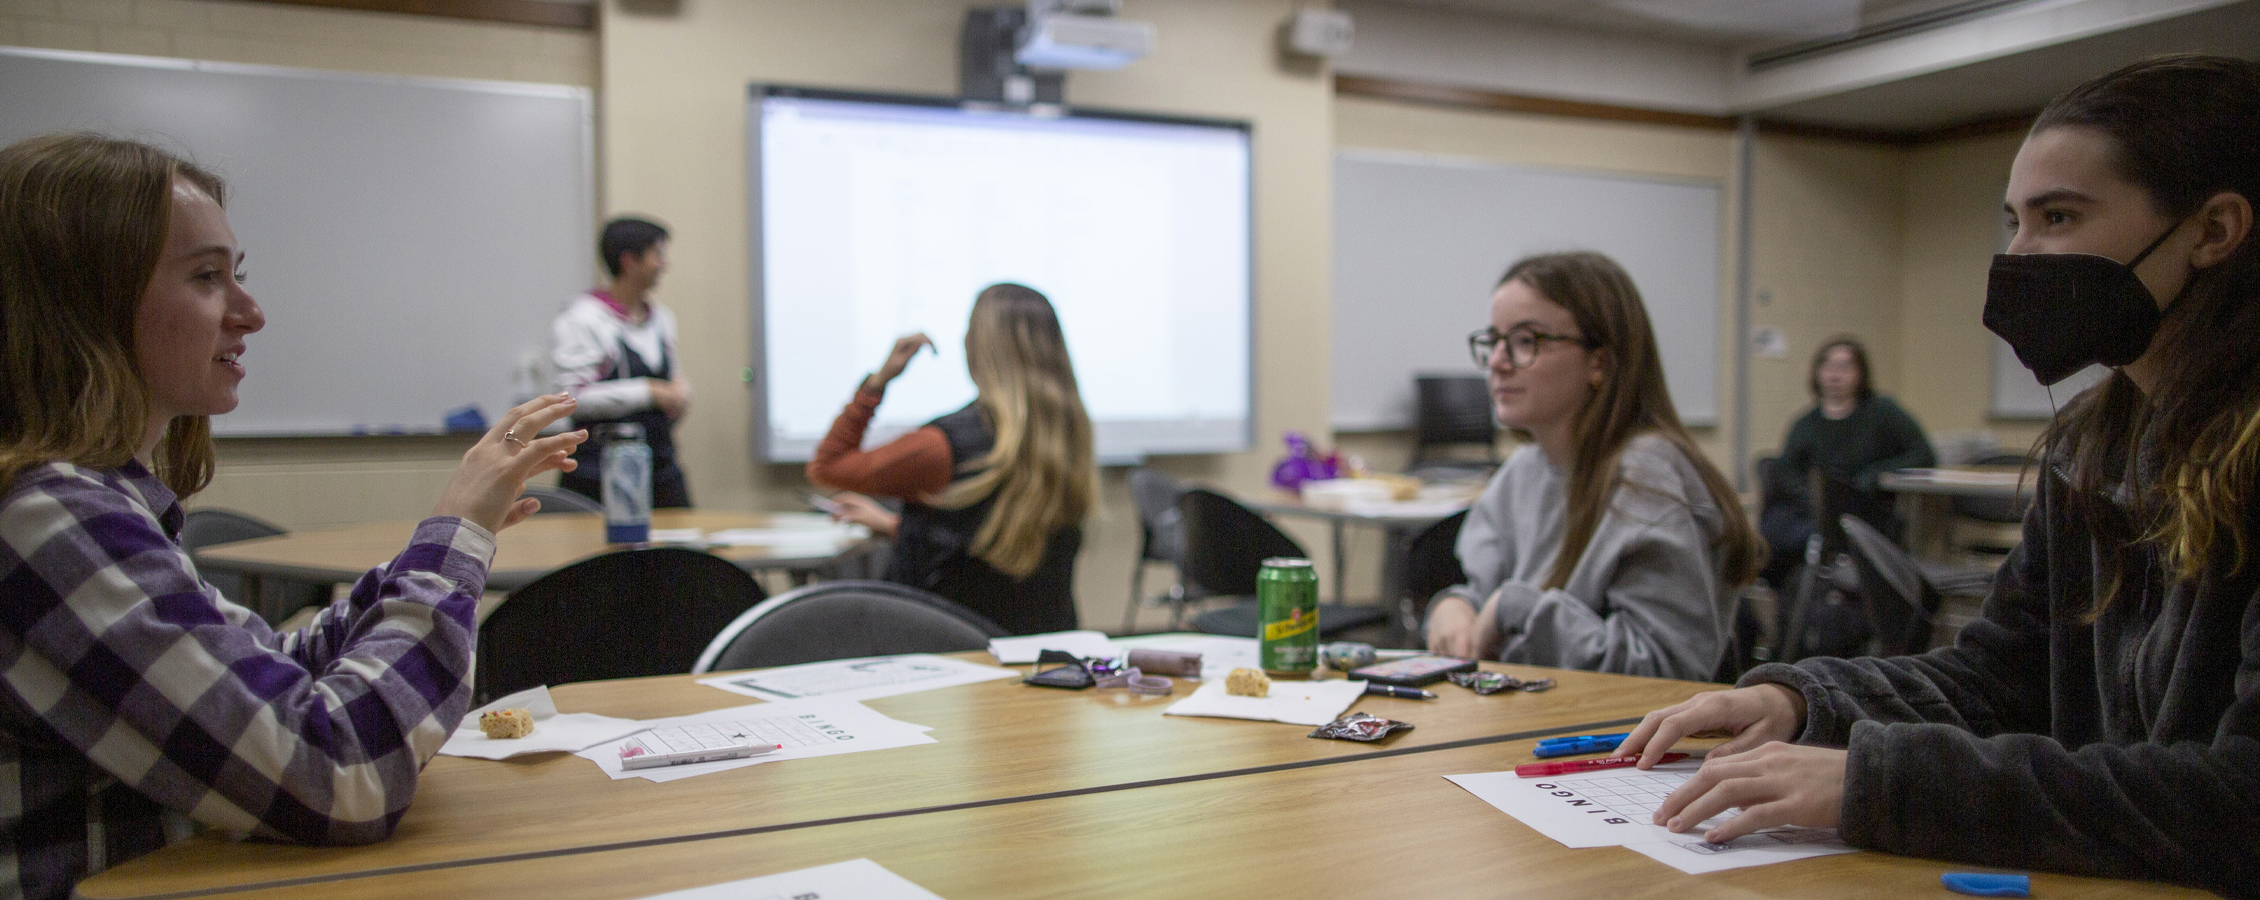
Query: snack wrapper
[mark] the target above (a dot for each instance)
(1494, 682)
(1359, 726)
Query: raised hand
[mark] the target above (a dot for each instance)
(487, 485)
(898, 359)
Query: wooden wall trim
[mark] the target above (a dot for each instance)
(1495, 101)
(576, 16)
(1470, 98)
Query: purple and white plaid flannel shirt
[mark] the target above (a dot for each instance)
(135, 700)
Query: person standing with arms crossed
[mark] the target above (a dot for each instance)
(2103, 716)
(614, 349)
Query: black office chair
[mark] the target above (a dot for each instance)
(1225, 546)
(1432, 563)
(621, 615)
(1161, 538)
(845, 620)
(278, 597)
(1452, 410)
(560, 500)
(1899, 604)
(1822, 618)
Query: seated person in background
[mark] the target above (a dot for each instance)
(2103, 716)
(614, 349)
(1606, 541)
(1851, 433)
(995, 493)
(136, 701)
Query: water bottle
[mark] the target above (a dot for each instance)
(627, 486)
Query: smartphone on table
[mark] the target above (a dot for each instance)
(1413, 671)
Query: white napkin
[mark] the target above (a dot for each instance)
(553, 731)
(1293, 702)
(1012, 651)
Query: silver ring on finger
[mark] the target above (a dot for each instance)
(512, 436)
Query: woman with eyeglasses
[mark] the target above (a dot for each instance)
(1606, 542)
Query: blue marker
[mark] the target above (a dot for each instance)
(1571, 746)
(1985, 885)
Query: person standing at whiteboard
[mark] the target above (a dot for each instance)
(614, 350)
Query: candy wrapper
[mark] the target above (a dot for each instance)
(1494, 682)
(1359, 726)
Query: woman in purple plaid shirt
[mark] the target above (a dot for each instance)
(136, 703)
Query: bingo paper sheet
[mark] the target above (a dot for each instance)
(806, 728)
(858, 679)
(1611, 808)
(856, 879)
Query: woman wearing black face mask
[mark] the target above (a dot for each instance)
(2104, 716)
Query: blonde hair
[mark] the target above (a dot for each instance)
(83, 220)
(1630, 401)
(1042, 470)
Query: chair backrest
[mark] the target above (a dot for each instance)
(1994, 509)
(845, 620)
(1226, 544)
(560, 500)
(1452, 409)
(1161, 526)
(1898, 602)
(1761, 474)
(621, 615)
(278, 597)
(206, 527)
(1432, 563)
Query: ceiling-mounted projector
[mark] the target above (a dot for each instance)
(1081, 34)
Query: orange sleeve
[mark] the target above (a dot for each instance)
(913, 465)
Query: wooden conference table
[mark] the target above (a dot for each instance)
(1028, 792)
(526, 551)
(1399, 522)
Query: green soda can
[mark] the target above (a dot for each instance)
(1287, 616)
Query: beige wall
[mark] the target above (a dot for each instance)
(1885, 242)
(673, 102)
(1953, 224)
(317, 482)
(269, 34)
(1889, 244)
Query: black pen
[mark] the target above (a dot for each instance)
(1401, 693)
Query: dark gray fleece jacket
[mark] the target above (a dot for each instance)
(2128, 747)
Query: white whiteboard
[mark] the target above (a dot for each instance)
(408, 238)
(1420, 241)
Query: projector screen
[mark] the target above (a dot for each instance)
(880, 216)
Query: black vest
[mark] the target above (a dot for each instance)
(931, 549)
(658, 430)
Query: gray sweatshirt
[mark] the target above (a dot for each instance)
(1645, 599)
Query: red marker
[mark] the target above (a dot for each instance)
(1541, 770)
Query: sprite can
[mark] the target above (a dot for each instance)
(1287, 616)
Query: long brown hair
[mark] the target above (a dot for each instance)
(1630, 401)
(1042, 471)
(2185, 129)
(83, 219)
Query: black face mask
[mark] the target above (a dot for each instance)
(2063, 312)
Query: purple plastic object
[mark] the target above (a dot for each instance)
(1304, 464)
